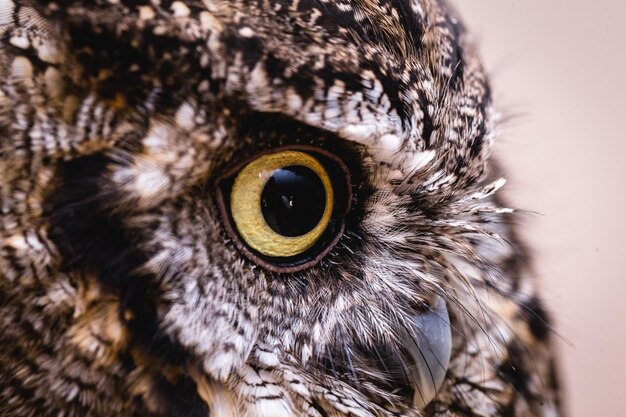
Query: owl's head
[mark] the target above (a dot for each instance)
(267, 207)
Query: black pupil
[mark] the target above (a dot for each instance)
(293, 200)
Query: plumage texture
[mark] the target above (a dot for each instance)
(121, 294)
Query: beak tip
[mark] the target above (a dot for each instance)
(430, 348)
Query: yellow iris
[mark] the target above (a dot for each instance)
(246, 205)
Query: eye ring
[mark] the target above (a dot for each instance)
(310, 248)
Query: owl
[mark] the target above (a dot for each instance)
(255, 208)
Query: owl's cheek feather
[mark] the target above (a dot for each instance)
(98, 332)
(173, 157)
(219, 399)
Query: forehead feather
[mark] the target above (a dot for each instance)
(398, 76)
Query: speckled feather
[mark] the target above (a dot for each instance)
(121, 293)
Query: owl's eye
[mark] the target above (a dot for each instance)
(281, 203)
(285, 209)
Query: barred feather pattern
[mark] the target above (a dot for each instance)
(121, 294)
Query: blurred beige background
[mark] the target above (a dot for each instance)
(559, 67)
